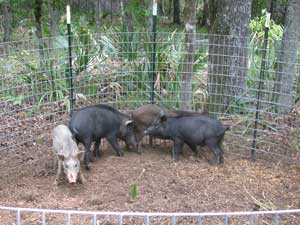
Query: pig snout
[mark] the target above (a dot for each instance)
(72, 177)
(133, 143)
(148, 131)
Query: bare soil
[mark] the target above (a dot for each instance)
(189, 185)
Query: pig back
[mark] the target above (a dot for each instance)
(63, 142)
(145, 115)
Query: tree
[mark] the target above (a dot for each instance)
(39, 34)
(126, 16)
(54, 15)
(190, 36)
(7, 20)
(97, 13)
(288, 56)
(176, 12)
(228, 51)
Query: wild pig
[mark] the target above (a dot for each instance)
(196, 130)
(146, 115)
(101, 121)
(68, 155)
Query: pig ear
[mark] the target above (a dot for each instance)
(128, 123)
(163, 116)
(80, 155)
(61, 157)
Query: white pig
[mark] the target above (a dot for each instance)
(68, 155)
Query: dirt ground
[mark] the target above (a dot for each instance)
(189, 185)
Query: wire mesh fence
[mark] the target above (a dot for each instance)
(20, 216)
(115, 68)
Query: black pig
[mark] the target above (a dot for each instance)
(200, 130)
(101, 121)
(146, 115)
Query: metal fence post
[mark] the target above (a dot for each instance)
(199, 220)
(260, 85)
(70, 58)
(69, 219)
(147, 220)
(94, 219)
(251, 220)
(18, 218)
(120, 219)
(153, 55)
(43, 218)
(277, 219)
(173, 220)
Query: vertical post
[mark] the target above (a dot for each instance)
(43, 218)
(173, 222)
(153, 57)
(277, 219)
(199, 220)
(18, 217)
(111, 11)
(260, 85)
(147, 220)
(69, 222)
(70, 59)
(120, 219)
(94, 219)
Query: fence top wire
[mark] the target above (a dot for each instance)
(149, 214)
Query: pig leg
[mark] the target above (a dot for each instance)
(81, 178)
(138, 140)
(177, 148)
(114, 143)
(96, 148)
(213, 146)
(87, 146)
(58, 174)
(194, 149)
(221, 152)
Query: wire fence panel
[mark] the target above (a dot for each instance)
(31, 216)
(115, 68)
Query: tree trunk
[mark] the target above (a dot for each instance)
(176, 15)
(190, 36)
(54, 16)
(203, 22)
(7, 20)
(126, 16)
(39, 34)
(228, 51)
(288, 56)
(97, 13)
(170, 9)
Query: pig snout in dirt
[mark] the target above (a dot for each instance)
(71, 166)
(68, 155)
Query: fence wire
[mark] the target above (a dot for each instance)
(43, 216)
(115, 68)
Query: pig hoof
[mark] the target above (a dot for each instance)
(213, 162)
(81, 180)
(56, 183)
